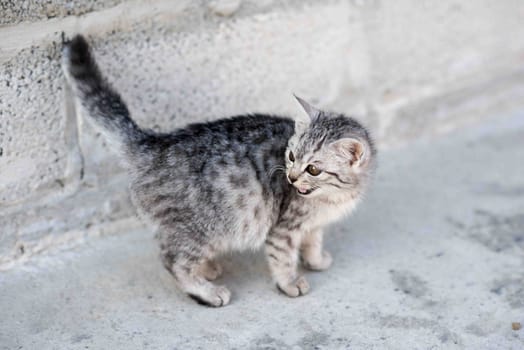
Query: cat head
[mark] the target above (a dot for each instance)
(330, 155)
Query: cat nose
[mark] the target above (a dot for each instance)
(292, 178)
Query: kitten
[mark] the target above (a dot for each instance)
(233, 184)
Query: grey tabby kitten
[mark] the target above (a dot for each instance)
(233, 184)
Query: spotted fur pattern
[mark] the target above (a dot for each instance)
(232, 184)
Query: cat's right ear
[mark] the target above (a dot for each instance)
(311, 111)
(350, 149)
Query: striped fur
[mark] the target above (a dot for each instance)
(215, 187)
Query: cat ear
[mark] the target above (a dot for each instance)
(351, 149)
(310, 110)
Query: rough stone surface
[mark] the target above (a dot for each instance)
(15, 11)
(225, 7)
(32, 124)
(407, 68)
(431, 260)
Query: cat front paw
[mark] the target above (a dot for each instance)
(296, 288)
(319, 264)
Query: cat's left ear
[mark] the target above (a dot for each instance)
(351, 149)
(312, 111)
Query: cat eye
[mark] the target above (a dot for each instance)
(291, 156)
(313, 170)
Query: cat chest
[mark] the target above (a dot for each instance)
(305, 216)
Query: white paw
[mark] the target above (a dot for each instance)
(319, 264)
(298, 287)
(216, 297)
(223, 294)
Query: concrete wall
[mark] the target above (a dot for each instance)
(408, 68)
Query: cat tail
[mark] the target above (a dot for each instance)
(103, 104)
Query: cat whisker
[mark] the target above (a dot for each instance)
(274, 169)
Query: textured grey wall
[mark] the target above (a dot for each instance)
(408, 68)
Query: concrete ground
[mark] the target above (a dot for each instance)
(433, 259)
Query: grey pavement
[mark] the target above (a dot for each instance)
(432, 259)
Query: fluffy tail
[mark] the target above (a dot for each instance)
(102, 103)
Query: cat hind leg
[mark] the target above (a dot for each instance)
(210, 269)
(192, 274)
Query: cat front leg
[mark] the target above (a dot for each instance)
(314, 257)
(282, 255)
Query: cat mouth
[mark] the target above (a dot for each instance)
(304, 191)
